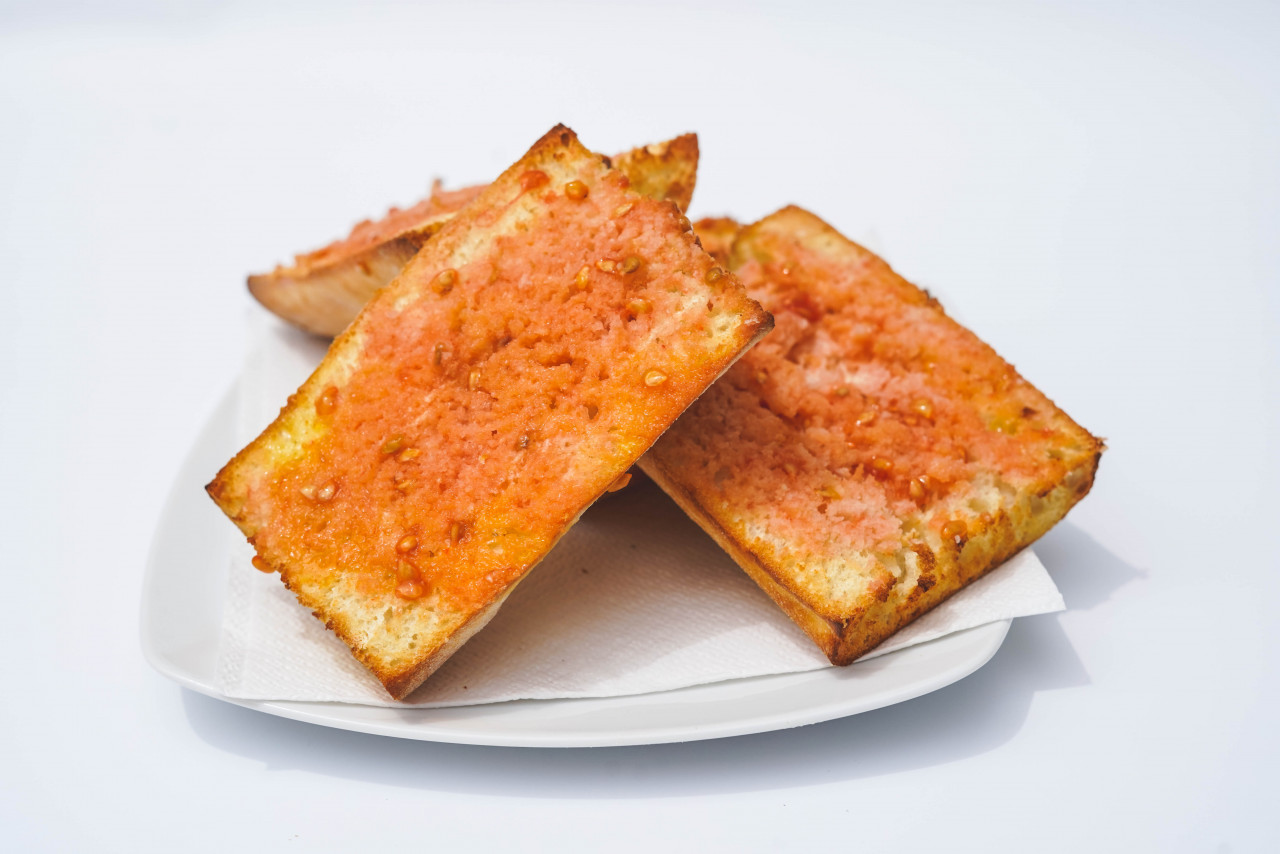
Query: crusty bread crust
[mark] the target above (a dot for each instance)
(663, 170)
(323, 291)
(401, 642)
(323, 298)
(847, 618)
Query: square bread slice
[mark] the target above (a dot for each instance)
(871, 456)
(322, 291)
(517, 367)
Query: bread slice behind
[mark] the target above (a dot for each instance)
(322, 291)
(521, 362)
(871, 456)
(716, 234)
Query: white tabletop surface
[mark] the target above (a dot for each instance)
(1094, 188)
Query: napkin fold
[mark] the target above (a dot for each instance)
(634, 599)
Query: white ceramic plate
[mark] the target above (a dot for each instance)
(182, 619)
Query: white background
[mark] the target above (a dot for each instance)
(1094, 188)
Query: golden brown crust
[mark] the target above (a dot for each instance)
(403, 643)
(663, 170)
(851, 600)
(323, 291)
(953, 567)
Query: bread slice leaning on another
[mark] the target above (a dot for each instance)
(322, 291)
(521, 363)
(871, 456)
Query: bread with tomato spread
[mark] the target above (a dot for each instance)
(530, 354)
(322, 291)
(871, 456)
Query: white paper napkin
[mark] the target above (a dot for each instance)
(634, 599)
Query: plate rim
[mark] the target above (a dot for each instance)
(314, 712)
(418, 723)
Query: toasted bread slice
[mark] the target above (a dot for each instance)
(521, 363)
(323, 291)
(871, 457)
